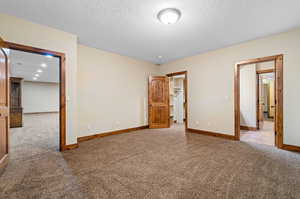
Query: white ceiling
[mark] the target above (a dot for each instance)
(26, 65)
(130, 27)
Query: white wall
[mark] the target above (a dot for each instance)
(27, 33)
(40, 97)
(112, 91)
(248, 85)
(179, 100)
(211, 83)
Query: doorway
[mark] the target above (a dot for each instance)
(259, 100)
(178, 99)
(167, 100)
(265, 96)
(34, 103)
(257, 103)
(49, 75)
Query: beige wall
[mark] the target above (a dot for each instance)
(265, 65)
(24, 32)
(40, 97)
(113, 77)
(211, 81)
(248, 94)
(112, 91)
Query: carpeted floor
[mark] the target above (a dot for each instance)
(163, 163)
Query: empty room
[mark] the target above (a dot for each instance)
(149, 99)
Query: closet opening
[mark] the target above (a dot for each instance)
(178, 99)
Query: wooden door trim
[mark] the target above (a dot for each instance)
(265, 71)
(185, 73)
(278, 59)
(62, 83)
(257, 101)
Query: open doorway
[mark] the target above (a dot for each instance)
(178, 99)
(34, 103)
(259, 101)
(37, 99)
(167, 101)
(266, 97)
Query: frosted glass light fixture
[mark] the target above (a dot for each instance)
(169, 15)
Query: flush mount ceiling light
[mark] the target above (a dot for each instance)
(169, 15)
(39, 71)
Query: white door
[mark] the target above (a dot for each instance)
(180, 107)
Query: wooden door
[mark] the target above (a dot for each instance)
(158, 100)
(4, 107)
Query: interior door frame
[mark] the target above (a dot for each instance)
(185, 82)
(278, 59)
(259, 72)
(62, 85)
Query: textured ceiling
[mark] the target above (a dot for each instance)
(130, 27)
(25, 65)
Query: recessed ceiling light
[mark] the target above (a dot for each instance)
(43, 65)
(159, 57)
(39, 71)
(169, 15)
(49, 56)
(37, 75)
(34, 78)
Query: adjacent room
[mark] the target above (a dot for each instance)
(34, 103)
(151, 99)
(257, 101)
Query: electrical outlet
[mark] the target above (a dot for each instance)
(116, 124)
(89, 127)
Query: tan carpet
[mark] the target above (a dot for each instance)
(167, 163)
